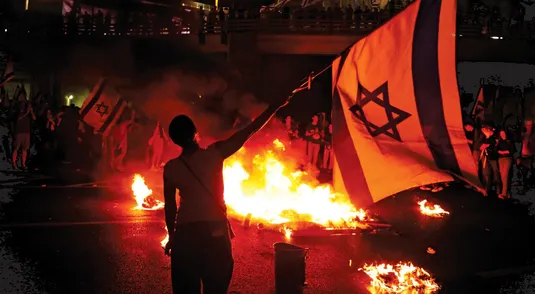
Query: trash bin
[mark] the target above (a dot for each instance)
(290, 263)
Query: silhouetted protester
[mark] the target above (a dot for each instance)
(119, 145)
(200, 233)
(99, 22)
(67, 130)
(314, 139)
(156, 147)
(328, 152)
(88, 23)
(22, 133)
(505, 150)
(489, 166)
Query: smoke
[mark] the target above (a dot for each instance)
(208, 99)
(162, 79)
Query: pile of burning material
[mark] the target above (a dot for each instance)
(143, 195)
(431, 209)
(263, 185)
(362, 223)
(264, 188)
(399, 278)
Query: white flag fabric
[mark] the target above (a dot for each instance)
(397, 119)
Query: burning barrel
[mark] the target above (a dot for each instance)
(289, 268)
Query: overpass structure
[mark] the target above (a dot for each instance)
(251, 44)
(330, 37)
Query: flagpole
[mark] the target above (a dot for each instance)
(474, 107)
(306, 85)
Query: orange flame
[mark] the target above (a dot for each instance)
(399, 278)
(143, 195)
(433, 210)
(279, 145)
(268, 189)
(165, 240)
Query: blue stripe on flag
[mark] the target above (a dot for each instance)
(345, 153)
(93, 100)
(111, 117)
(427, 89)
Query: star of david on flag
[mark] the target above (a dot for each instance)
(102, 108)
(397, 119)
(380, 97)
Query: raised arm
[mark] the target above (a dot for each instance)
(235, 142)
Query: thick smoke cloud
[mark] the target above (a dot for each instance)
(164, 79)
(206, 98)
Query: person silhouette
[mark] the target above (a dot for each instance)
(200, 233)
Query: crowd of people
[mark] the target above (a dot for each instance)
(40, 136)
(59, 135)
(53, 134)
(189, 20)
(315, 138)
(496, 145)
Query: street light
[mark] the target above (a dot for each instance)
(69, 98)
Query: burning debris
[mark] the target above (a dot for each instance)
(399, 278)
(143, 195)
(266, 188)
(262, 187)
(432, 210)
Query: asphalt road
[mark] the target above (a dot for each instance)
(90, 240)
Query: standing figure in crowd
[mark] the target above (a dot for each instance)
(156, 147)
(489, 158)
(50, 128)
(314, 136)
(119, 144)
(291, 128)
(200, 233)
(328, 152)
(505, 150)
(469, 131)
(22, 133)
(5, 122)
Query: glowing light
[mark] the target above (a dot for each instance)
(143, 195)
(433, 210)
(266, 187)
(399, 278)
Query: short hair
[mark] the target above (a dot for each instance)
(182, 130)
(488, 127)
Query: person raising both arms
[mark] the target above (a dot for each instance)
(200, 233)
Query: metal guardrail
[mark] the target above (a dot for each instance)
(265, 26)
(345, 27)
(302, 26)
